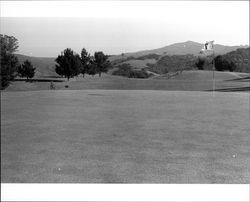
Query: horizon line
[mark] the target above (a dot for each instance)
(115, 54)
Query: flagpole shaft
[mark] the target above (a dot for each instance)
(210, 46)
(213, 82)
(213, 74)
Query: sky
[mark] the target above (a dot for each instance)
(45, 28)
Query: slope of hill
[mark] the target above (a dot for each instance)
(44, 66)
(183, 48)
(173, 63)
(139, 64)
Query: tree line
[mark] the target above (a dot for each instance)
(70, 64)
(237, 60)
(218, 62)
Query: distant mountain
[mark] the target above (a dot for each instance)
(184, 48)
(45, 66)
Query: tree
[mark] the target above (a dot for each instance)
(218, 63)
(200, 64)
(9, 61)
(101, 61)
(26, 70)
(9, 44)
(59, 70)
(68, 64)
(92, 68)
(85, 59)
(222, 64)
(232, 67)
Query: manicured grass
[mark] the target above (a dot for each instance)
(187, 81)
(112, 136)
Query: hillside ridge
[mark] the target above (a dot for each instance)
(45, 66)
(187, 47)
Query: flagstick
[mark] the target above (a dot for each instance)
(213, 75)
(210, 46)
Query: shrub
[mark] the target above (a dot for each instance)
(123, 70)
(127, 71)
(140, 74)
(173, 63)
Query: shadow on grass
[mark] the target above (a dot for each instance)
(243, 79)
(95, 94)
(239, 89)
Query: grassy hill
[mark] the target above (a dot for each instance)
(139, 64)
(45, 66)
(173, 56)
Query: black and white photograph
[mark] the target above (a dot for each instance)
(125, 92)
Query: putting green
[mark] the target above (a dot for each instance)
(112, 136)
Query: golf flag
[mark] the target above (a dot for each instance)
(209, 45)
